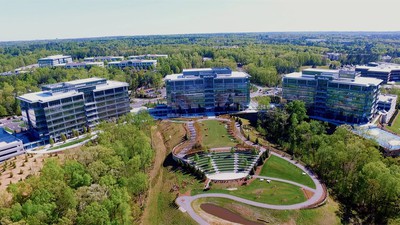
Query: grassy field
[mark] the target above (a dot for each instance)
(395, 126)
(214, 134)
(71, 143)
(276, 193)
(280, 168)
(324, 215)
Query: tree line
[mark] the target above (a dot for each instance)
(366, 184)
(102, 183)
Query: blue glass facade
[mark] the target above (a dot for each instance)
(61, 108)
(330, 95)
(216, 89)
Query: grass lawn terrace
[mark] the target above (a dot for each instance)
(215, 134)
(275, 193)
(395, 126)
(280, 168)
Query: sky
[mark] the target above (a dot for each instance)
(51, 19)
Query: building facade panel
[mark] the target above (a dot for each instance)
(328, 95)
(210, 89)
(61, 108)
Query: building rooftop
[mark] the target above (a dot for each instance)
(70, 90)
(86, 80)
(148, 55)
(365, 81)
(47, 96)
(134, 61)
(386, 98)
(111, 84)
(190, 74)
(382, 67)
(321, 70)
(6, 138)
(55, 57)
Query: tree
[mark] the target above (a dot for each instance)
(263, 102)
(257, 141)
(196, 157)
(94, 214)
(75, 133)
(84, 129)
(232, 150)
(51, 141)
(63, 138)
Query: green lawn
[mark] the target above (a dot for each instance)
(324, 215)
(280, 168)
(214, 134)
(71, 143)
(276, 193)
(395, 126)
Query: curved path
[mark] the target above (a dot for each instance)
(185, 202)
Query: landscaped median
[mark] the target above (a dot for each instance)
(70, 143)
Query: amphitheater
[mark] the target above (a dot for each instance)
(222, 162)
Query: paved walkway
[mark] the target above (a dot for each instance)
(185, 202)
(46, 149)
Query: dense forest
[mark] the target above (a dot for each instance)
(103, 183)
(367, 185)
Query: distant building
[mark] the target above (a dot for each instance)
(208, 89)
(334, 95)
(10, 146)
(85, 65)
(387, 106)
(138, 64)
(333, 56)
(148, 56)
(60, 108)
(103, 59)
(388, 72)
(386, 58)
(54, 60)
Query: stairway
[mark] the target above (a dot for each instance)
(235, 162)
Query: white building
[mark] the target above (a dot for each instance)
(10, 146)
(85, 65)
(54, 60)
(138, 64)
(148, 56)
(103, 59)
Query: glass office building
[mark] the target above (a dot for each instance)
(208, 89)
(388, 72)
(62, 107)
(54, 60)
(334, 95)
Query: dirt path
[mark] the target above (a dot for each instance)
(155, 175)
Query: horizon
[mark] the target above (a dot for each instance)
(27, 20)
(216, 33)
